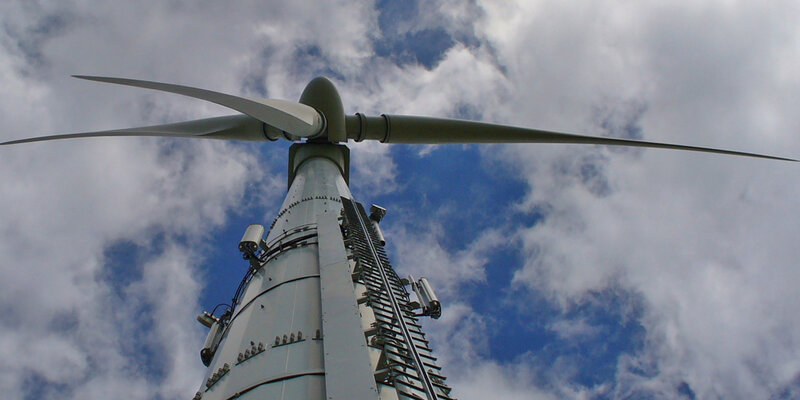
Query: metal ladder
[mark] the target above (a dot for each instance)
(405, 361)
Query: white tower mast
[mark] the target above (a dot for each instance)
(322, 314)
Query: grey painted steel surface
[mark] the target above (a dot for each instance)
(303, 328)
(282, 298)
(421, 130)
(299, 153)
(319, 116)
(348, 373)
(232, 127)
(295, 118)
(322, 95)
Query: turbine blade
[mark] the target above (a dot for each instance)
(426, 130)
(295, 118)
(233, 127)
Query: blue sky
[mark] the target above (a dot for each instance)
(566, 271)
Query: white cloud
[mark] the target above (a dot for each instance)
(419, 252)
(705, 242)
(170, 283)
(62, 211)
(372, 167)
(79, 325)
(708, 242)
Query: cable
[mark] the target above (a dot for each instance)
(214, 310)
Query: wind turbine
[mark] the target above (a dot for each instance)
(321, 313)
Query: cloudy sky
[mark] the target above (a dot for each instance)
(580, 272)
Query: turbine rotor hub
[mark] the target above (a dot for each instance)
(321, 94)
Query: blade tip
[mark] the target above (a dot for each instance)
(90, 77)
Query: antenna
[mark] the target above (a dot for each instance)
(321, 312)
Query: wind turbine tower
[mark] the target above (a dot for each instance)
(321, 313)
